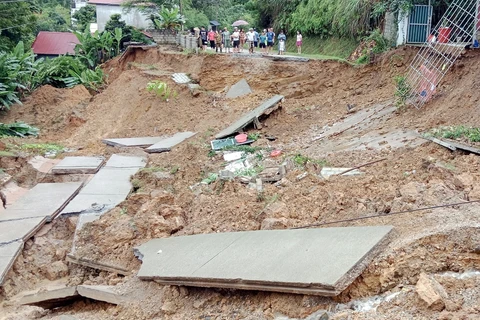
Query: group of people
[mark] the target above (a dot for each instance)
(235, 41)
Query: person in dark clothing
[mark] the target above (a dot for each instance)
(204, 36)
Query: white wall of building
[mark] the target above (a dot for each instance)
(132, 18)
(402, 28)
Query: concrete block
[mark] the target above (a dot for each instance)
(241, 88)
(126, 161)
(140, 142)
(78, 165)
(101, 293)
(14, 230)
(52, 298)
(168, 143)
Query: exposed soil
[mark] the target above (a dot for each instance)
(168, 201)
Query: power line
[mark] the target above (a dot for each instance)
(386, 214)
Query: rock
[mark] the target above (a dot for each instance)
(431, 292)
(161, 175)
(464, 180)
(169, 307)
(56, 270)
(412, 191)
(277, 209)
(72, 223)
(274, 224)
(476, 249)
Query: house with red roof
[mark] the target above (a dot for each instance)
(53, 44)
(106, 8)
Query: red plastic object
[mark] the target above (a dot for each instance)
(275, 153)
(241, 138)
(444, 35)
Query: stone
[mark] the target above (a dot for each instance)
(241, 88)
(412, 191)
(463, 181)
(169, 307)
(431, 292)
(274, 223)
(56, 270)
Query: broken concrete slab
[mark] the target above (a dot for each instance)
(109, 181)
(52, 298)
(8, 254)
(181, 78)
(241, 88)
(126, 161)
(43, 200)
(270, 260)
(101, 293)
(20, 230)
(97, 265)
(85, 203)
(249, 117)
(78, 165)
(140, 142)
(168, 143)
(327, 172)
(453, 145)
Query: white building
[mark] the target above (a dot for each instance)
(106, 8)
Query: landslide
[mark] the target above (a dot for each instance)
(316, 93)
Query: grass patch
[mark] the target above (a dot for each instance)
(301, 160)
(42, 148)
(7, 154)
(325, 49)
(456, 132)
(246, 149)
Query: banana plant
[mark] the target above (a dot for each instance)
(118, 35)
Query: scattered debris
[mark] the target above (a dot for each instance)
(8, 254)
(248, 118)
(225, 143)
(452, 145)
(317, 315)
(168, 143)
(302, 176)
(141, 142)
(181, 78)
(78, 165)
(241, 88)
(327, 172)
(232, 156)
(212, 260)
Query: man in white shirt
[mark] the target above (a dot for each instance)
(251, 40)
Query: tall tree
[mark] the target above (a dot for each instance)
(17, 23)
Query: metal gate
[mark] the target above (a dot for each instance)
(419, 24)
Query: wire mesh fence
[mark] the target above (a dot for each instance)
(457, 29)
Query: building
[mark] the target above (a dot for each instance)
(53, 44)
(106, 8)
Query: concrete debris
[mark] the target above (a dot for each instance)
(8, 254)
(317, 315)
(232, 156)
(249, 117)
(61, 296)
(271, 260)
(431, 292)
(239, 89)
(140, 142)
(181, 78)
(327, 172)
(168, 143)
(453, 145)
(226, 175)
(272, 174)
(302, 176)
(78, 165)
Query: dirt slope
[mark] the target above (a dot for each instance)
(317, 92)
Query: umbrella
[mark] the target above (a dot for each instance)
(239, 23)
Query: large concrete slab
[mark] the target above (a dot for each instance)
(101, 293)
(78, 165)
(20, 230)
(140, 142)
(8, 254)
(313, 261)
(84, 203)
(43, 200)
(249, 117)
(241, 88)
(51, 298)
(125, 161)
(168, 143)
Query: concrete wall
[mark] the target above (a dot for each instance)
(162, 37)
(133, 18)
(402, 29)
(390, 28)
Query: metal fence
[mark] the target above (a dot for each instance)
(457, 29)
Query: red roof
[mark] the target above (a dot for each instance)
(108, 2)
(54, 43)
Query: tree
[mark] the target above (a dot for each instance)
(84, 16)
(169, 19)
(17, 23)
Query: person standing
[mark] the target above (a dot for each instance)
(218, 41)
(257, 38)
(242, 39)
(299, 42)
(251, 40)
(282, 40)
(263, 42)
(270, 39)
(235, 40)
(203, 37)
(211, 38)
(226, 40)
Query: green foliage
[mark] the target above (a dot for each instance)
(18, 129)
(253, 136)
(17, 22)
(94, 48)
(472, 134)
(195, 18)
(129, 33)
(169, 19)
(329, 48)
(301, 160)
(244, 148)
(160, 88)
(54, 18)
(42, 148)
(402, 91)
(381, 44)
(84, 16)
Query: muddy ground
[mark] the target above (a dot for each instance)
(415, 174)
